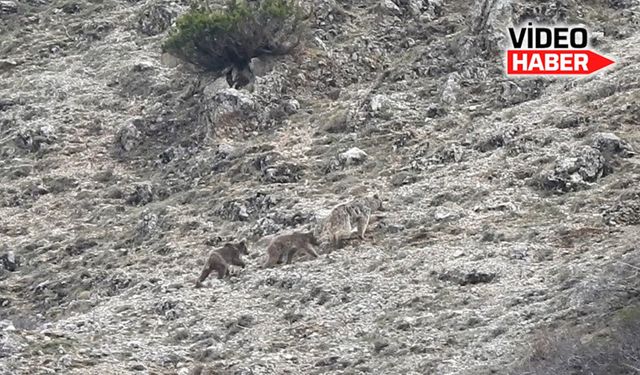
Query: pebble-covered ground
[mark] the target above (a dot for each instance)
(511, 206)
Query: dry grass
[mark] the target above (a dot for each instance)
(612, 348)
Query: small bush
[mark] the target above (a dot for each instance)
(216, 39)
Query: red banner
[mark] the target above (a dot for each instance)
(554, 62)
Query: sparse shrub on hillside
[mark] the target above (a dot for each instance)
(216, 39)
(611, 350)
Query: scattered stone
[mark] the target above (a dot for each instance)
(7, 325)
(232, 100)
(622, 4)
(71, 7)
(34, 139)
(141, 195)
(242, 210)
(283, 173)
(334, 94)
(337, 122)
(198, 370)
(226, 149)
(379, 102)
(353, 156)
(291, 106)
(95, 30)
(445, 154)
(284, 283)
(292, 317)
(155, 19)
(5, 103)
(625, 212)
(60, 184)
(451, 89)
(389, 7)
(328, 361)
(150, 224)
(405, 324)
(128, 136)
(576, 171)
(142, 66)
(242, 322)
(569, 120)
(80, 246)
(261, 66)
(404, 178)
(231, 110)
(379, 345)
(167, 155)
(463, 278)
(447, 212)
(10, 261)
(215, 87)
(171, 61)
(500, 137)
(516, 92)
(436, 111)
(610, 144)
(8, 7)
(6, 65)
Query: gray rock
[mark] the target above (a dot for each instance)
(128, 137)
(625, 212)
(35, 138)
(10, 262)
(464, 278)
(226, 149)
(379, 345)
(389, 7)
(415, 7)
(448, 212)
(219, 84)
(242, 210)
(451, 89)
(138, 367)
(6, 64)
(170, 61)
(229, 101)
(260, 66)
(7, 326)
(575, 171)
(379, 102)
(352, 156)
(142, 194)
(291, 106)
(609, 143)
(8, 7)
(282, 173)
(427, 10)
(155, 19)
(71, 7)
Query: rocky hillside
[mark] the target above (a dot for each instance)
(511, 205)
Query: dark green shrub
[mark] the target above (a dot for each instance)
(216, 39)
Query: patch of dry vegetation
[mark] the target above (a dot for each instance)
(614, 348)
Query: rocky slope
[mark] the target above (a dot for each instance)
(512, 205)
